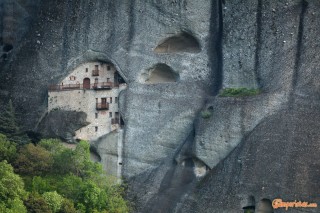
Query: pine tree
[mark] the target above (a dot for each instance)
(8, 125)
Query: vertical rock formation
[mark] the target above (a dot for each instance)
(168, 146)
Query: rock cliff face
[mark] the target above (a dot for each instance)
(251, 148)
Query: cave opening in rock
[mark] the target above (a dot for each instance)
(264, 206)
(248, 209)
(7, 47)
(182, 42)
(160, 73)
(249, 206)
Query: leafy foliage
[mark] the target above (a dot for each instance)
(239, 92)
(206, 114)
(36, 204)
(67, 207)
(64, 180)
(33, 160)
(54, 200)
(8, 149)
(11, 190)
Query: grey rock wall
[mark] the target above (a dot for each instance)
(266, 44)
(16, 17)
(278, 159)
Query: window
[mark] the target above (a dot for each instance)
(96, 128)
(86, 69)
(96, 67)
(116, 100)
(110, 114)
(96, 115)
(110, 100)
(72, 78)
(108, 67)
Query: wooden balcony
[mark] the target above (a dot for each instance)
(102, 106)
(59, 87)
(103, 86)
(95, 86)
(95, 72)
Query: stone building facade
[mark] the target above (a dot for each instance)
(92, 88)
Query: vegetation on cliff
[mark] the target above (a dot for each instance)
(48, 177)
(239, 92)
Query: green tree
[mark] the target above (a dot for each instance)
(8, 149)
(36, 204)
(13, 206)
(33, 160)
(81, 157)
(90, 196)
(64, 162)
(54, 146)
(41, 185)
(71, 187)
(8, 123)
(67, 207)
(11, 190)
(54, 200)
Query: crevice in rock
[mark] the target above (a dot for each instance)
(131, 23)
(65, 34)
(258, 44)
(87, 24)
(94, 154)
(297, 65)
(177, 181)
(182, 42)
(215, 45)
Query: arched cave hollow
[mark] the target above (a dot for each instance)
(182, 42)
(159, 73)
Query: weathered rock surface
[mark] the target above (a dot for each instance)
(107, 149)
(15, 19)
(271, 45)
(278, 159)
(61, 124)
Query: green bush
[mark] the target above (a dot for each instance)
(206, 114)
(8, 149)
(54, 200)
(239, 92)
(35, 203)
(11, 190)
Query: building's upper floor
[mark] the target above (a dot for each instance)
(91, 75)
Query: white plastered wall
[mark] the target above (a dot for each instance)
(84, 100)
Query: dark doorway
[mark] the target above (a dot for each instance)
(86, 83)
(103, 101)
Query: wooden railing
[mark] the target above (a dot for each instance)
(95, 86)
(102, 106)
(104, 85)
